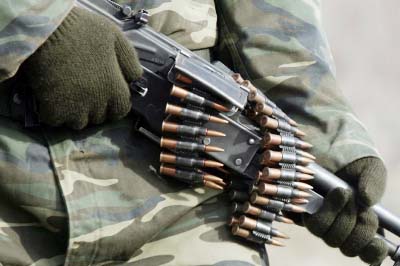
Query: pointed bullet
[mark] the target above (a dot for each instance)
(280, 234)
(275, 204)
(212, 164)
(284, 219)
(214, 133)
(189, 130)
(305, 154)
(292, 122)
(273, 139)
(196, 99)
(212, 185)
(186, 161)
(304, 145)
(305, 170)
(189, 146)
(270, 173)
(299, 132)
(195, 115)
(302, 186)
(214, 179)
(218, 120)
(281, 191)
(277, 243)
(193, 177)
(304, 177)
(213, 149)
(297, 209)
(259, 226)
(299, 201)
(264, 214)
(297, 185)
(285, 157)
(271, 123)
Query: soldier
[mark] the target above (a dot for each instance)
(81, 190)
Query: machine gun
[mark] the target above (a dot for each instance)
(220, 131)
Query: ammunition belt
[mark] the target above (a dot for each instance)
(279, 186)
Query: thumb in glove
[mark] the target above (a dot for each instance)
(368, 177)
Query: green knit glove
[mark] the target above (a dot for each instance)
(81, 74)
(345, 219)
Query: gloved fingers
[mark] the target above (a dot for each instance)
(99, 114)
(372, 183)
(343, 225)
(50, 113)
(119, 104)
(375, 252)
(320, 222)
(362, 234)
(78, 122)
(368, 176)
(297, 218)
(127, 58)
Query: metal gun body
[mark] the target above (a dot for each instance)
(163, 61)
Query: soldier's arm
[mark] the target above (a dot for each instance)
(281, 47)
(24, 26)
(283, 50)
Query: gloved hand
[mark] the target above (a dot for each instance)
(345, 221)
(81, 74)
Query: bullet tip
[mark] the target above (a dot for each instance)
(293, 123)
(214, 133)
(212, 185)
(287, 220)
(218, 120)
(298, 209)
(214, 149)
(220, 107)
(277, 243)
(282, 235)
(300, 133)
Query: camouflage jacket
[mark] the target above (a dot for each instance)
(94, 193)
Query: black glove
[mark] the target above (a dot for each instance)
(81, 74)
(345, 220)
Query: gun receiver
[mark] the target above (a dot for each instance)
(218, 130)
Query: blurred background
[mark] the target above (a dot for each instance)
(365, 43)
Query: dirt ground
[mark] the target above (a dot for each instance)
(365, 43)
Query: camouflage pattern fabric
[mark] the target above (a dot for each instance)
(285, 53)
(117, 209)
(92, 197)
(24, 26)
(192, 22)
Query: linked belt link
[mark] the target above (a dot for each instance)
(279, 186)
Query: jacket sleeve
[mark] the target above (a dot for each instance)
(24, 26)
(281, 47)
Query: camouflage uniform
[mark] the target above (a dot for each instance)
(93, 198)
